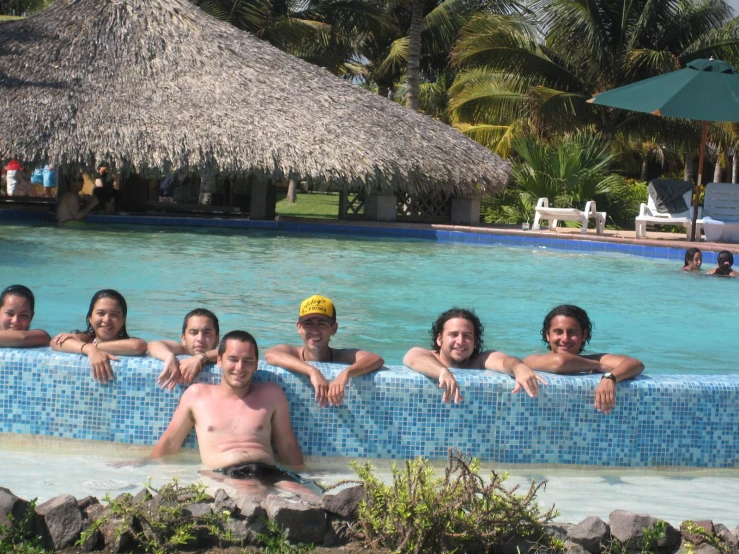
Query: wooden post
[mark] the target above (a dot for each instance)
(697, 193)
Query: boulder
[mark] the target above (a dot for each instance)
(93, 540)
(113, 540)
(250, 509)
(59, 521)
(693, 537)
(592, 534)
(345, 503)
(573, 548)
(557, 531)
(86, 502)
(223, 503)
(197, 509)
(303, 521)
(517, 545)
(144, 495)
(10, 504)
(242, 532)
(627, 528)
(727, 536)
(338, 532)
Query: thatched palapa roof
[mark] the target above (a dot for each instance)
(154, 83)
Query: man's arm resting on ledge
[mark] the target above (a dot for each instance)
(564, 363)
(425, 362)
(522, 373)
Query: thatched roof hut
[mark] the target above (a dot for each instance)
(149, 84)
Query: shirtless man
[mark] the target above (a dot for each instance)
(200, 334)
(316, 325)
(566, 330)
(456, 341)
(237, 421)
(69, 207)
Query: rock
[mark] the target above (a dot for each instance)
(517, 545)
(345, 503)
(727, 536)
(93, 540)
(706, 548)
(303, 522)
(113, 541)
(244, 533)
(557, 531)
(197, 509)
(223, 502)
(338, 532)
(250, 509)
(573, 548)
(627, 528)
(697, 537)
(60, 521)
(591, 533)
(11, 504)
(95, 512)
(86, 502)
(142, 496)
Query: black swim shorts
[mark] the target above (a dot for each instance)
(267, 474)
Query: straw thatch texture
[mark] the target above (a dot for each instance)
(149, 84)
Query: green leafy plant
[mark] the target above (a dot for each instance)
(275, 542)
(457, 512)
(162, 527)
(652, 535)
(19, 537)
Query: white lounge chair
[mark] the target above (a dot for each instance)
(553, 215)
(721, 212)
(648, 215)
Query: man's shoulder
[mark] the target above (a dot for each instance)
(267, 387)
(199, 390)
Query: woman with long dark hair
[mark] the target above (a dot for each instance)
(105, 337)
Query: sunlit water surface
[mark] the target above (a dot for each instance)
(387, 292)
(41, 467)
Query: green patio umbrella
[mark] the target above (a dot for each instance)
(705, 90)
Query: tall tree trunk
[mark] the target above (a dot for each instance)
(689, 167)
(414, 56)
(735, 167)
(717, 172)
(644, 166)
(292, 190)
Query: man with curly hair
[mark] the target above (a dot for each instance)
(456, 342)
(566, 331)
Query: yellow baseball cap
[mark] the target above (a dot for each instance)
(317, 305)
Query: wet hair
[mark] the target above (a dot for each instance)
(690, 254)
(437, 328)
(201, 312)
(725, 260)
(18, 290)
(568, 310)
(241, 336)
(118, 297)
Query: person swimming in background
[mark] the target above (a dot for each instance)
(17, 304)
(693, 259)
(725, 260)
(105, 337)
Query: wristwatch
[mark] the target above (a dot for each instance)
(610, 376)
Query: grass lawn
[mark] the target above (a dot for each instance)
(9, 17)
(311, 204)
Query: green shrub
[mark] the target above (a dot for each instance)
(459, 512)
(19, 537)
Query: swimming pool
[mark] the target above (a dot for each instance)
(387, 290)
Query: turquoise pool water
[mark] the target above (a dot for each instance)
(386, 291)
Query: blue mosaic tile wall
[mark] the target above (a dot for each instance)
(396, 413)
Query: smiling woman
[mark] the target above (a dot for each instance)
(16, 312)
(105, 336)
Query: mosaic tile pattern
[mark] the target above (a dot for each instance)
(396, 413)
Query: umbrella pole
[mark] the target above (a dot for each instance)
(696, 195)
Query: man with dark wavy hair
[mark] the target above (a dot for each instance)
(566, 331)
(457, 342)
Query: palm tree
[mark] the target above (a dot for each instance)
(539, 72)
